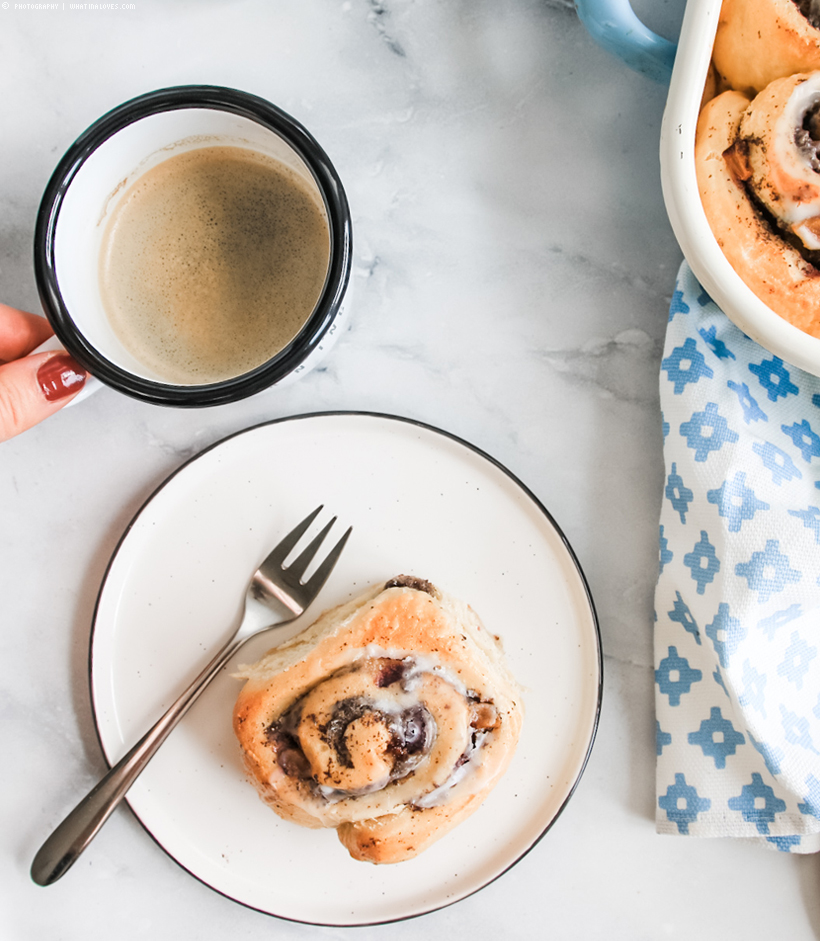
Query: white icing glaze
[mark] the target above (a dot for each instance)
(793, 209)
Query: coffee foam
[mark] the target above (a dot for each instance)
(212, 262)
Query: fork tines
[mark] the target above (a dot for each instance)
(297, 568)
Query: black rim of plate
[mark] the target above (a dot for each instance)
(212, 97)
(542, 509)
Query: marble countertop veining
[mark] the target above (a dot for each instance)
(513, 266)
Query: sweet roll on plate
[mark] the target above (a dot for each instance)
(390, 719)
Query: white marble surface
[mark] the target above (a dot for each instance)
(513, 267)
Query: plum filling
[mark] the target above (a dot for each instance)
(771, 221)
(345, 712)
(393, 671)
(412, 732)
(415, 732)
(412, 738)
(410, 581)
(806, 138)
(289, 755)
(397, 737)
(736, 157)
(811, 10)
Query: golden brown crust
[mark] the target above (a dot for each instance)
(758, 41)
(780, 173)
(394, 838)
(320, 721)
(774, 270)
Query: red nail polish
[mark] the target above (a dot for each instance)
(60, 376)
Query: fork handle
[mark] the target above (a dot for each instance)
(62, 849)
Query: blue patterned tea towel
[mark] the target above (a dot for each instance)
(737, 604)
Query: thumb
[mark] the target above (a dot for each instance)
(34, 387)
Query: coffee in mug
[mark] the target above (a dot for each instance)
(194, 247)
(212, 262)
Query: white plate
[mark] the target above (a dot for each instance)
(421, 502)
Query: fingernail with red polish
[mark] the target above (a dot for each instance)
(60, 376)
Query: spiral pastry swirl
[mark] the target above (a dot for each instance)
(758, 170)
(390, 719)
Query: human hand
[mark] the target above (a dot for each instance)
(32, 385)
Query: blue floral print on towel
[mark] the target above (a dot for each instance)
(737, 604)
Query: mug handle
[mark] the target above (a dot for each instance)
(614, 26)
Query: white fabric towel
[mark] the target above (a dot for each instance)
(737, 604)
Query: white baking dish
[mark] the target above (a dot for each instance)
(611, 22)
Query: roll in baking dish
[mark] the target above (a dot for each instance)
(390, 719)
(758, 41)
(758, 170)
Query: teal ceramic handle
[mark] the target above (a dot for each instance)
(614, 26)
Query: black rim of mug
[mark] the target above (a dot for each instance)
(217, 98)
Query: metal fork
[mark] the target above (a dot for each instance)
(276, 595)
